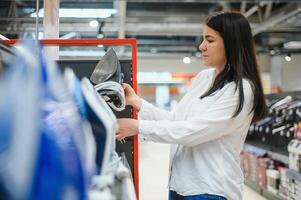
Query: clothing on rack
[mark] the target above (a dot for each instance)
(103, 125)
(74, 87)
(19, 125)
(56, 135)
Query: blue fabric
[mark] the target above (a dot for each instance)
(19, 123)
(99, 133)
(59, 172)
(175, 196)
(79, 99)
(45, 124)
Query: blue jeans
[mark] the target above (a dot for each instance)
(175, 196)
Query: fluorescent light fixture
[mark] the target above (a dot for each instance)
(81, 13)
(186, 60)
(292, 45)
(94, 23)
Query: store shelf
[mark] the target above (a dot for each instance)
(253, 185)
(263, 192)
(261, 149)
(250, 147)
(270, 195)
(293, 174)
(279, 157)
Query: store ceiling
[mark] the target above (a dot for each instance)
(163, 27)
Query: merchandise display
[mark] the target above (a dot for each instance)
(69, 140)
(271, 158)
(273, 180)
(294, 148)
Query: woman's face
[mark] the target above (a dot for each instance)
(213, 49)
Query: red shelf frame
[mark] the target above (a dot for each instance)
(109, 42)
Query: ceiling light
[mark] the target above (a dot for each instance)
(94, 23)
(292, 45)
(81, 13)
(288, 58)
(186, 60)
(272, 52)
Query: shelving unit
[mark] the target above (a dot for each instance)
(265, 193)
(264, 149)
(263, 141)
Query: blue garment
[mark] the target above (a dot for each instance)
(19, 123)
(59, 172)
(99, 133)
(175, 196)
(97, 125)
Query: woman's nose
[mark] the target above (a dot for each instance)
(202, 46)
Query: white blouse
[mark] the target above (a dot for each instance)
(206, 140)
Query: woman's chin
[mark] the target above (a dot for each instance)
(206, 63)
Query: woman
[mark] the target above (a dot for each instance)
(209, 125)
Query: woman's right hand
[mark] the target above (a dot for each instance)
(131, 97)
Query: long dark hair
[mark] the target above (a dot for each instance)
(241, 59)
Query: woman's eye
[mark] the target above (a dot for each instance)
(210, 41)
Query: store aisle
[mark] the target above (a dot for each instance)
(250, 194)
(153, 173)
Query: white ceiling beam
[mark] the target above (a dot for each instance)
(284, 14)
(268, 10)
(251, 11)
(51, 26)
(254, 9)
(121, 17)
(259, 12)
(243, 7)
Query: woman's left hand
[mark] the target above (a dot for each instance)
(126, 127)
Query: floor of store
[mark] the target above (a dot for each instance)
(153, 173)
